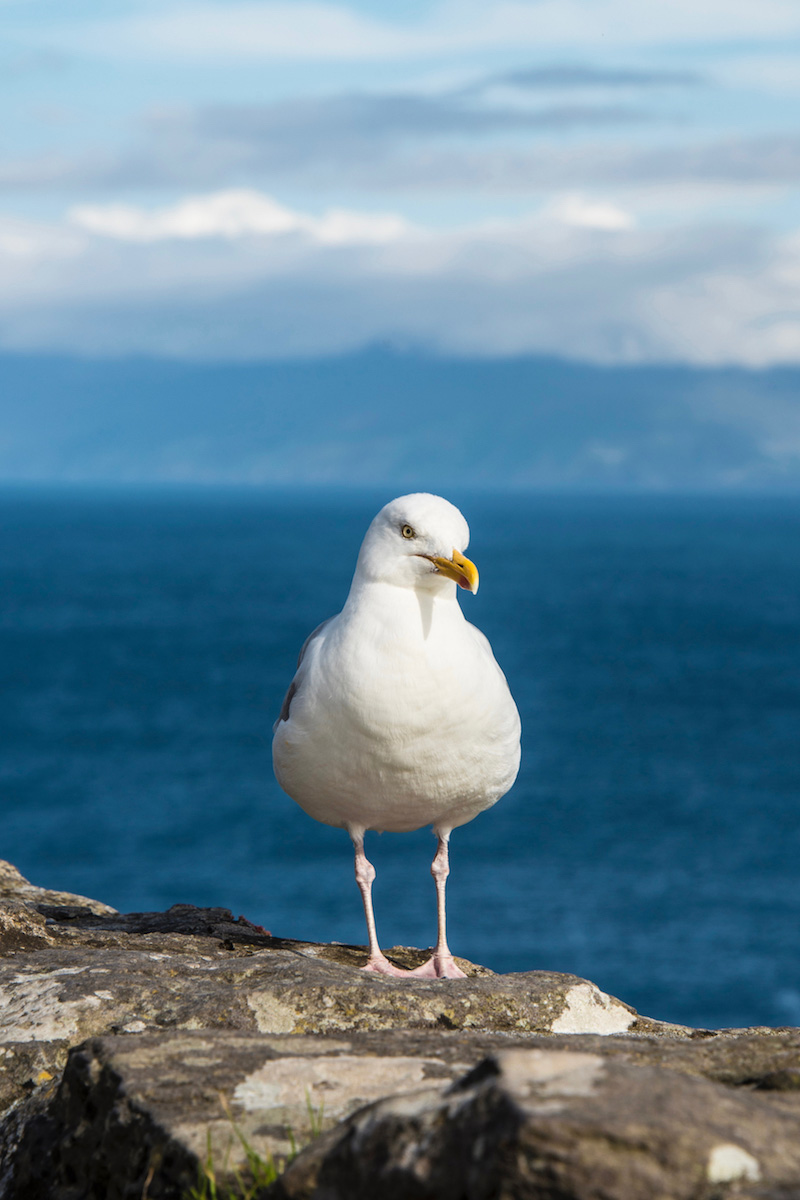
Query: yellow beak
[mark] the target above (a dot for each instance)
(459, 568)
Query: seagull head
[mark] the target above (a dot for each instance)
(418, 541)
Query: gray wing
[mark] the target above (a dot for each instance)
(294, 686)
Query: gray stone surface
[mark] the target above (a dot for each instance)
(403, 1111)
(177, 1027)
(70, 971)
(15, 887)
(583, 1121)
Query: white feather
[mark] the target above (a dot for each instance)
(399, 715)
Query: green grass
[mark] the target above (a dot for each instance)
(260, 1172)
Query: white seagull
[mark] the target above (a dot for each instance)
(398, 715)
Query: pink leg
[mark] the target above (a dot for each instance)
(365, 875)
(440, 965)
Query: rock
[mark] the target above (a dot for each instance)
(26, 1066)
(165, 1098)
(21, 928)
(69, 972)
(632, 1112)
(548, 1121)
(14, 886)
(68, 992)
(131, 1042)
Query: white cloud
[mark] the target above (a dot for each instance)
(234, 214)
(759, 308)
(574, 209)
(237, 275)
(246, 213)
(244, 30)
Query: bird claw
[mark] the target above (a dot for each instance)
(438, 966)
(380, 965)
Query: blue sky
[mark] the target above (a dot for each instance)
(599, 179)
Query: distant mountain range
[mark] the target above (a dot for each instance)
(379, 417)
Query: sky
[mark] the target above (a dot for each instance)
(602, 180)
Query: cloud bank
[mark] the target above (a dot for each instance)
(598, 179)
(235, 214)
(238, 275)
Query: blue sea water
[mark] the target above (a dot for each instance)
(651, 843)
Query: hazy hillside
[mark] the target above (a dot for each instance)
(382, 417)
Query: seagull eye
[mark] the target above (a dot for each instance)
(407, 532)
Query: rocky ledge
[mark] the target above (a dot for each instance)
(135, 1046)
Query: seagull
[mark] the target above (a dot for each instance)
(398, 715)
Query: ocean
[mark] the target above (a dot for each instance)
(651, 842)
